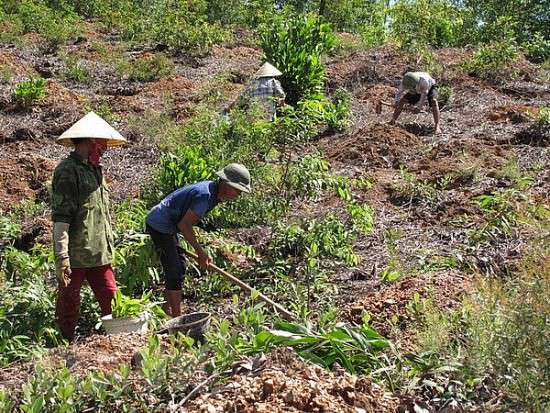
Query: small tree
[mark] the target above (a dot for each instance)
(296, 46)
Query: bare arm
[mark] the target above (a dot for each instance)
(185, 226)
(437, 116)
(398, 108)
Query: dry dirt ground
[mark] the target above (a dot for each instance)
(485, 127)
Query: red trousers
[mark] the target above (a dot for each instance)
(67, 310)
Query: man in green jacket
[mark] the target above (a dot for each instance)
(82, 234)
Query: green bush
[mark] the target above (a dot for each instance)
(56, 25)
(26, 306)
(185, 165)
(492, 61)
(244, 13)
(150, 68)
(494, 20)
(29, 92)
(357, 16)
(329, 234)
(509, 330)
(543, 117)
(296, 45)
(445, 92)
(498, 341)
(437, 23)
(136, 262)
(180, 25)
(76, 71)
(537, 48)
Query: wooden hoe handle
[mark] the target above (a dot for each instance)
(287, 315)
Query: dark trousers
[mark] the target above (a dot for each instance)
(171, 257)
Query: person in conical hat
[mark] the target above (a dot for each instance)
(179, 212)
(264, 90)
(82, 234)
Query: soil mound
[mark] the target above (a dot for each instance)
(380, 145)
(287, 384)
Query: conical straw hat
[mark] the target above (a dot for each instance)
(91, 126)
(268, 70)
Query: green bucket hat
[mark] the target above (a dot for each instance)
(236, 175)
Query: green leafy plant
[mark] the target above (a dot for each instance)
(501, 214)
(6, 73)
(423, 22)
(186, 165)
(127, 307)
(544, 116)
(412, 190)
(329, 233)
(492, 61)
(54, 25)
(537, 48)
(182, 26)
(136, 262)
(295, 45)
(149, 68)
(30, 92)
(394, 269)
(354, 348)
(26, 313)
(76, 70)
(445, 93)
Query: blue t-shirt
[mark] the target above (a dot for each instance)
(199, 198)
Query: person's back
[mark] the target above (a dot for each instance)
(180, 212)
(411, 81)
(200, 197)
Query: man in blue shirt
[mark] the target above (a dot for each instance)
(179, 212)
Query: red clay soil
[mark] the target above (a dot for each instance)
(378, 145)
(22, 175)
(94, 353)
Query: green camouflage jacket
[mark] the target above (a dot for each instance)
(80, 198)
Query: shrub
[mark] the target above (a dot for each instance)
(244, 13)
(76, 71)
(309, 177)
(29, 92)
(6, 73)
(425, 22)
(329, 234)
(136, 262)
(492, 61)
(184, 166)
(296, 45)
(26, 310)
(445, 93)
(56, 26)
(510, 326)
(544, 116)
(150, 68)
(537, 49)
(180, 25)
(357, 16)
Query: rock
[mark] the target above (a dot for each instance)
(268, 388)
